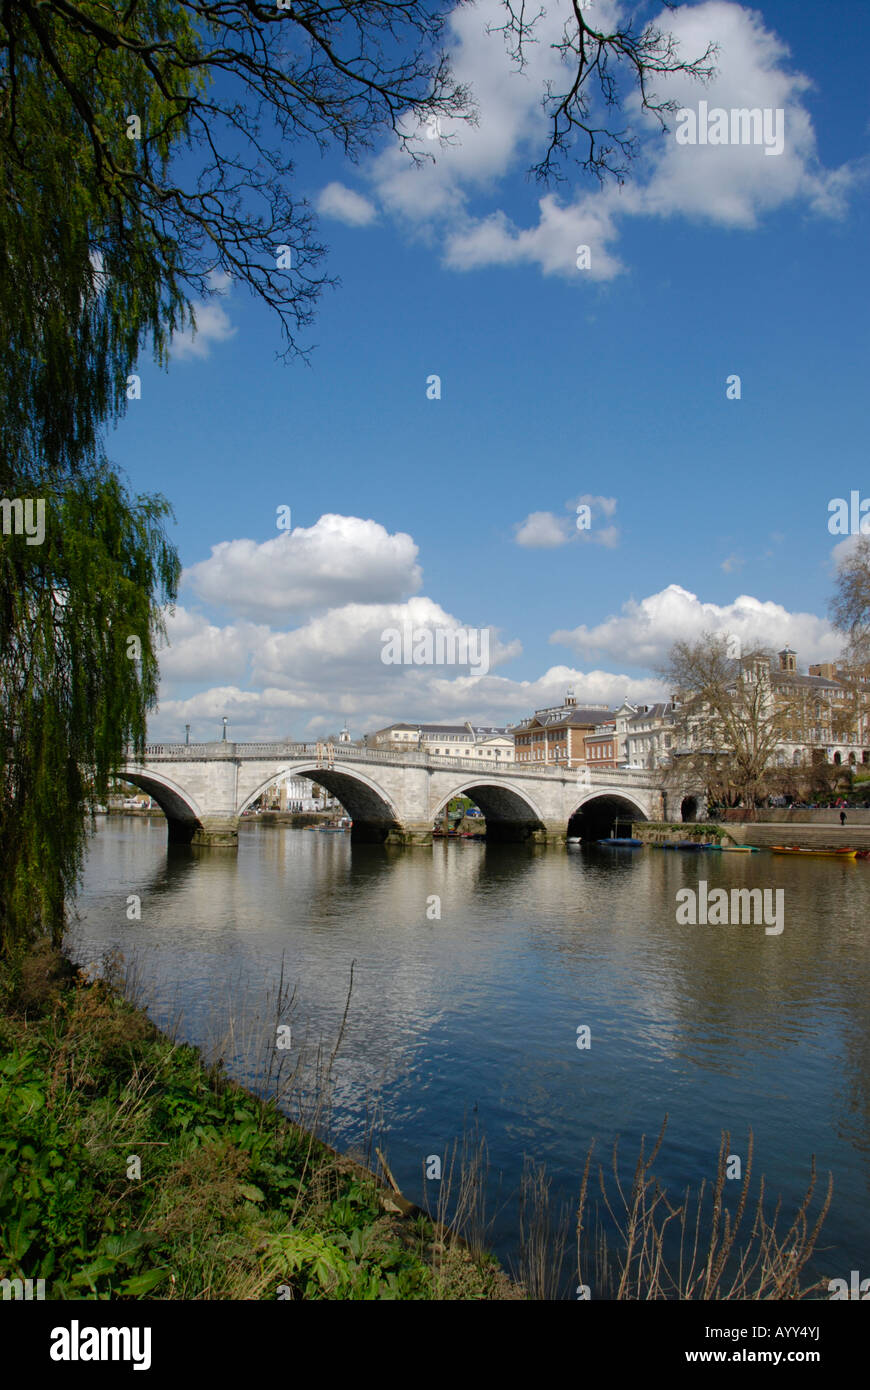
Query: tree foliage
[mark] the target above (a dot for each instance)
(84, 280)
(80, 622)
(106, 238)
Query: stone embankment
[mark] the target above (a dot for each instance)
(805, 836)
(806, 829)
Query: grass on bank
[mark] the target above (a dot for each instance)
(234, 1201)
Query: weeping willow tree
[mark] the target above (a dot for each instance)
(83, 584)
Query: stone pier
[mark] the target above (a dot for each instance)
(217, 832)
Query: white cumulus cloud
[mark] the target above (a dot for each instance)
(543, 530)
(213, 324)
(337, 560)
(547, 531)
(645, 631)
(338, 201)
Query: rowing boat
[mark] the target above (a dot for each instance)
(815, 853)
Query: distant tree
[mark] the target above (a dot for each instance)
(850, 612)
(850, 606)
(728, 722)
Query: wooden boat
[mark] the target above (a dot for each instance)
(740, 849)
(627, 843)
(815, 853)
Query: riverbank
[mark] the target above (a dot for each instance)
(764, 834)
(130, 1170)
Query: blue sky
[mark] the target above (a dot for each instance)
(558, 383)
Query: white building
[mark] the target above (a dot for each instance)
(299, 794)
(478, 741)
(649, 735)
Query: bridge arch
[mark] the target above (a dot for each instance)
(371, 811)
(508, 809)
(183, 815)
(603, 808)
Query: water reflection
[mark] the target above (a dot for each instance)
(477, 1013)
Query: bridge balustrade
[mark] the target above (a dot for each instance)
(412, 757)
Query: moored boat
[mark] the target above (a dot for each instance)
(816, 853)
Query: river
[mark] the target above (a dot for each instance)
(473, 1016)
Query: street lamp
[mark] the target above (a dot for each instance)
(224, 738)
(187, 733)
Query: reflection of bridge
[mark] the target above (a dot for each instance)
(204, 788)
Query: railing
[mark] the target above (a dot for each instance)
(324, 756)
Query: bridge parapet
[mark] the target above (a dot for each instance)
(282, 752)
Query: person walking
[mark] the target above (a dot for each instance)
(842, 817)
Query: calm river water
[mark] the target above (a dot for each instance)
(474, 1017)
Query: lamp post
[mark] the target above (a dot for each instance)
(187, 733)
(224, 736)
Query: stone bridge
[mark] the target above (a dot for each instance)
(392, 797)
